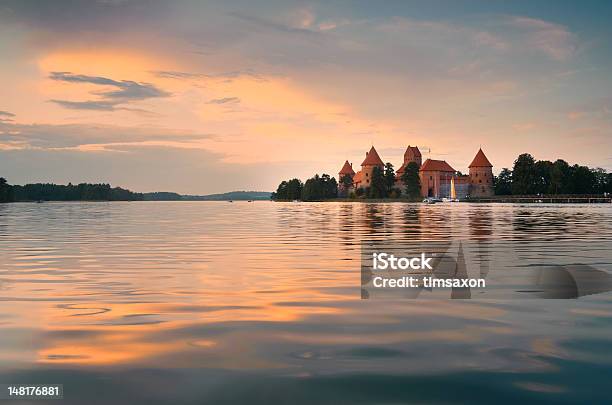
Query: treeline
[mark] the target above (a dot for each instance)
(162, 196)
(6, 191)
(529, 177)
(324, 187)
(316, 188)
(69, 192)
(232, 195)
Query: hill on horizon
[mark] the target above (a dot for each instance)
(232, 195)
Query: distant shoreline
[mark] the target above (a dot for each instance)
(39, 192)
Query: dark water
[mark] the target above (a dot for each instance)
(212, 302)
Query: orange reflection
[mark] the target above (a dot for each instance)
(110, 348)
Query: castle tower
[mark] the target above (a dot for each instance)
(347, 170)
(481, 176)
(371, 161)
(412, 154)
(436, 176)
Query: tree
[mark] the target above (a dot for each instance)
(330, 186)
(294, 189)
(311, 190)
(320, 188)
(559, 176)
(346, 181)
(378, 187)
(601, 180)
(524, 175)
(288, 190)
(281, 192)
(503, 182)
(389, 178)
(543, 170)
(6, 191)
(411, 180)
(582, 180)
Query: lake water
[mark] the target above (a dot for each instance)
(217, 302)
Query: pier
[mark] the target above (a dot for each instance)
(549, 199)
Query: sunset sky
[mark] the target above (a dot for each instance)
(202, 97)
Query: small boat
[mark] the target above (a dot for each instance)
(39, 201)
(250, 200)
(429, 201)
(230, 201)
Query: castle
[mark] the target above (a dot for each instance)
(437, 177)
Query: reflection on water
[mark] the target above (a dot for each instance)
(260, 302)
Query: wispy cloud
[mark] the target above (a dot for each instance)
(86, 105)
(173, 74)
(273, 25)
(233, 74)
(554, 40)
(6, 116)
(600, 108)
(82, 136)
(124, 91)
(490, 39)
(225, 100)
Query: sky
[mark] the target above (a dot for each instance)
(203, 97)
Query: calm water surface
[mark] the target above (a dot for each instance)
(212, 302)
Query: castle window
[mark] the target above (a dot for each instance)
(476, 174)
(430, 177)
(480, 181)
(366, 174)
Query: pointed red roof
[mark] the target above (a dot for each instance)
(347, 169)
(401, 169)
(480, 160)
(436, 166)
(372, 159)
